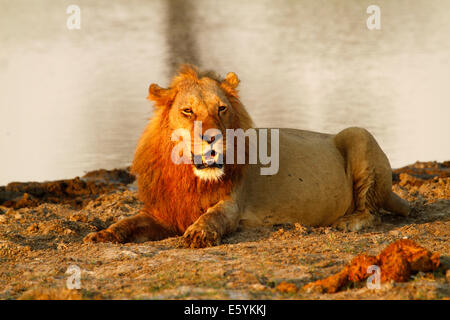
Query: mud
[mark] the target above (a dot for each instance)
(397, 262)
(42, 226)
(76, 192)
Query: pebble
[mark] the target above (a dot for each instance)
(68, 232)
(258, 287)
(287, 287)
(128, 253)
(237, 295)
(33, 228)
(231, 285)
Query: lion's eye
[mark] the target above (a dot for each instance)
(187, 111)
(222, 108)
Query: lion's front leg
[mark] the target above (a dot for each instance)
(140, 228)
(208, 230)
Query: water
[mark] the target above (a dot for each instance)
(74, 100)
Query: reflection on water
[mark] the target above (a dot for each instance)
(73, 101)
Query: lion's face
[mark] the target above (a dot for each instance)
(203, 108)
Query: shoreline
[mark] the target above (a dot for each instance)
(42, 226)
(79, 191)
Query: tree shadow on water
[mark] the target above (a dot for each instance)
(180, 33)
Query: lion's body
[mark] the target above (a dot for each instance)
(323, 179)
(311, 186)
(315, 183)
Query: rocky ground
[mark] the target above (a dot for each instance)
(42, 226)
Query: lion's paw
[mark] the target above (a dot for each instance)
(101, 236)
(356, 222)
(200, 237)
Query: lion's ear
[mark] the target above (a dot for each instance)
(232, 80)
(230, 83)
(161, 96)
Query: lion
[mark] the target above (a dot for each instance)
(339, 180)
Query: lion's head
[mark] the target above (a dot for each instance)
(191, 98)
(206, 106)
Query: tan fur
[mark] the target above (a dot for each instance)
(323, 179)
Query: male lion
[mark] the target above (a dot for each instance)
(323, 179)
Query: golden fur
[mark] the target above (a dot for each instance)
(323, 179)
(168, 189)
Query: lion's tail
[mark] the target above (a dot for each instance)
(395, 204)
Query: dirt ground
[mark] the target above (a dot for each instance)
(42, 226)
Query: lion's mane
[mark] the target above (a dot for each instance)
(172, 193)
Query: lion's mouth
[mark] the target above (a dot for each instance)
(205, 166)
(209, 160)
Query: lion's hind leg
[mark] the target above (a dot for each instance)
(368, 167)
(363, 187)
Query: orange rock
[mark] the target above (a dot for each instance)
(358, 267)
(331, 284)
(401, 258)
(397, 262)
(394, 266)
(287, 287)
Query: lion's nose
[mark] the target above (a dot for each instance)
(209, 139)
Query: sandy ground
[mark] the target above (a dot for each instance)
(42, 226)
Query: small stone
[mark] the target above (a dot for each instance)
(258, 287)
(237, 295)
(128, 253)
(394, 233)
(78, 217)
(33, 228)
(301, 229)
(287, 287)
(68, 232)
(18, 216)
(231, 285)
